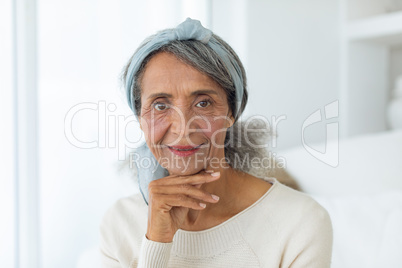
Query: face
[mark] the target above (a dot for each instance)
(181, 106)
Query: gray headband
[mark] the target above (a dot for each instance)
(188, 30)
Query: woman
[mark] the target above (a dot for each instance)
(197, 207)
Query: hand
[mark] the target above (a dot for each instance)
(170, 199)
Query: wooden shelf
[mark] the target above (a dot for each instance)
(383, 29)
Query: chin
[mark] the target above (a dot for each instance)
(177, 165)
(184, 171)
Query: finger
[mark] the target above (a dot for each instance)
(198, 185)
(186, 189)
(202, 177)
(180, 200)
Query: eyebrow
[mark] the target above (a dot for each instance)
(197, 92)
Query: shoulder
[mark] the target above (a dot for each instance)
(286, 210)
(292, 224)
(306, 231)
(296, 208)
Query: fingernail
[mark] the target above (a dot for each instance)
(209, 171)
(216, 174)
(215, 197)
(203, 205)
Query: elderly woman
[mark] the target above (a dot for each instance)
(195, 208)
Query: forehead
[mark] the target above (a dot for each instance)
(166, 73)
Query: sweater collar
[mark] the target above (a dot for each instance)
(216, 239)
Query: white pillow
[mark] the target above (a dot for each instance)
(367, 229)
(367, 164)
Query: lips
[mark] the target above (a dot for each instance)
(184, 147)
(184, 150)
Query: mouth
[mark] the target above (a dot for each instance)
(184, 147)
(184, 150)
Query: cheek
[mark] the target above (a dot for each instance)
(154, 129)
(211, 127)
(215, 130)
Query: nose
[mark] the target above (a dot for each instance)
(182, 121)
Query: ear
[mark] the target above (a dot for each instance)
(139, 121)
(230, 122)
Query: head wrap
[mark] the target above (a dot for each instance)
(188, 30)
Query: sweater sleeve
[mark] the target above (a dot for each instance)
(313, 241)
(154, 254)
(113, 245)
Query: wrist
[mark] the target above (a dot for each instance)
(159, 239)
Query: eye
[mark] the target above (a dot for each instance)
(160, 106)
(204, 103)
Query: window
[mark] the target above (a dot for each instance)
(60, 65)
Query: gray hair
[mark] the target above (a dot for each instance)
(206, 60)
(203, 58)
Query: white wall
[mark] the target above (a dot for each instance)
(395, 59)
(291, 52)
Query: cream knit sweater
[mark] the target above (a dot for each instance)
(284, 228)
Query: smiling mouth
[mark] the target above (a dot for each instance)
(184, 148)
